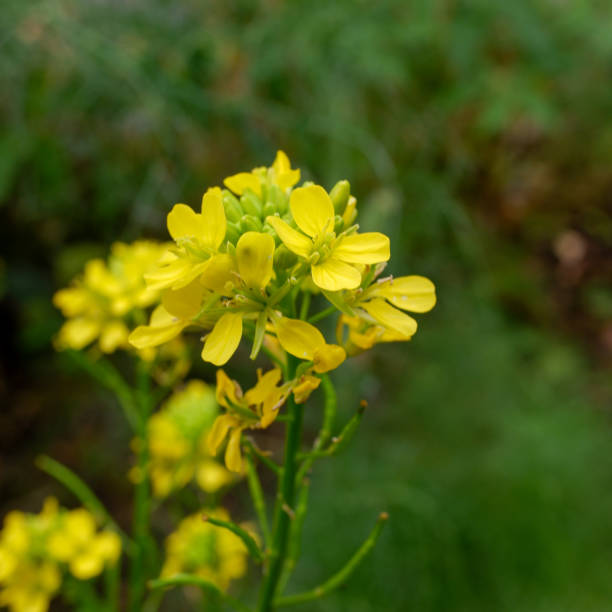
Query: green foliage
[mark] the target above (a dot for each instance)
(474, 134)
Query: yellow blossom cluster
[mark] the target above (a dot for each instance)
(241, 265)
(37, 550)
(200, 549)
(177, 436)
(109, 298)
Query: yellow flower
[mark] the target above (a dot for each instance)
(378, 317)
(280, 174)
(32, 587)
(103, 301)
(254, 259)
(256, 409)
(199, 548)
(177, 442)
(198, 238)
(78, 544)
(332, 258)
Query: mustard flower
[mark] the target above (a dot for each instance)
(103, 302)
(177, 442)
(280, 174)
(255, 409)
(332, 258)
(77, 542)
(201, 549)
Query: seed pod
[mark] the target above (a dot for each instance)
(251, 204)
(340, 195)
(233, 210)
(249, 223)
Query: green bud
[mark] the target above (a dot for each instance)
(278, 197)
(284, 258)
(251, 204)
(340, 195)
(269, 209)
(249, 223)
(268, 229)
(233, 211)
(338, 224)
(232, 233)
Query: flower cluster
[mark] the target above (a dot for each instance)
(177, 436)
(241, 266)
(200, 549)
(109, 298)
(37, 550)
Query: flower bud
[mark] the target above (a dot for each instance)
(279, 199)
(340, 195)
(284, 258)
(250, 223)
(233, 211)
(251, 204)
(269, 209)
(232, 233)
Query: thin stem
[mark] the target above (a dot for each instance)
(323, 314)
(82, 492)
(258, 497)
(295, 536)
(141, 515)
(245, 536)
(262, 457)
(284, 503)
(205, 585)
(340, 577)
(329, 415)
(305, 305)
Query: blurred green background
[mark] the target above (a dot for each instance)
(477, 134)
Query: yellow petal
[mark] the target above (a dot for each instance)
(413, 293)
(223, 340)
(254, 253)
(183, 221)
(390, 317)
(328, 357)
(218, 274)
(369, 248)
(284, 176)
(334, 275)
(265, 386)
(77, 333)
(228, 391)
(299, 338)
(292, 239)
(185, 302)
(162, 328)
(304, 387)
(233, 456)
(218, 432)
(312, 209)
(86, 565)
(238, 183)
(112, 336)
(211, 476)
(281, 163)
(72, 301)
(177, 273)
(213, 215)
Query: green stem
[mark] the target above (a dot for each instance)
(339, 578)
(305, 305)
(245, 536)
(284, 503)
(141, 517)
(261, 456)
(329, 415)
(258, 497)
(323, 314)
(205, 585)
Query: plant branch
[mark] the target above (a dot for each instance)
(339, 578)
(244, 535)
(258, 497)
